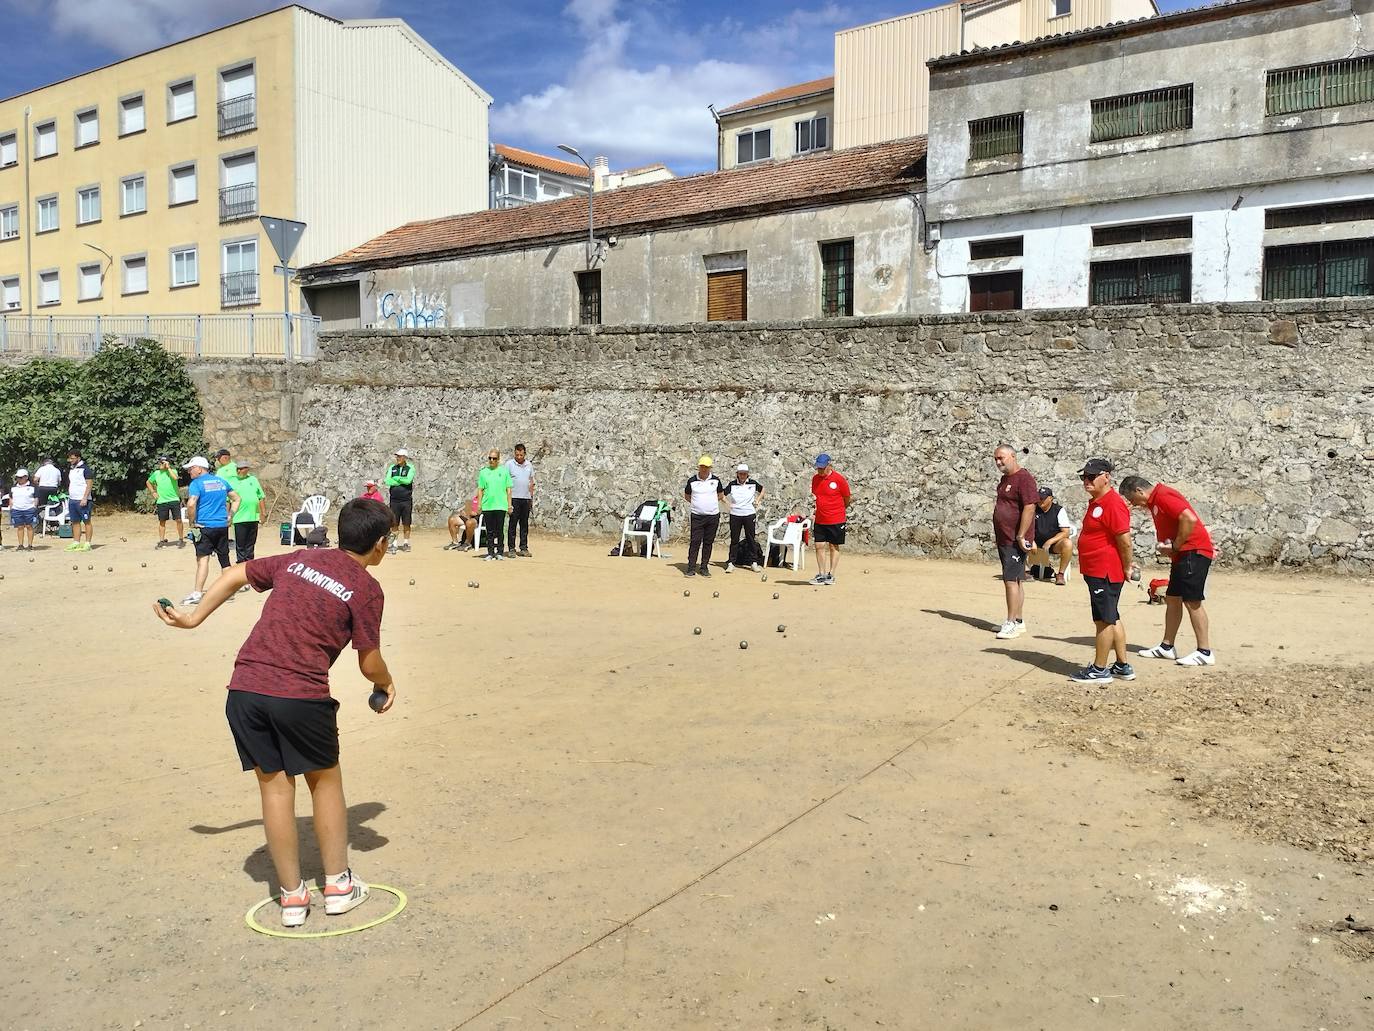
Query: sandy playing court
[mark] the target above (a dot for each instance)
(881, 818)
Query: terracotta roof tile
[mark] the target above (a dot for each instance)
(801, 89)
(541, 161)
(883, 169)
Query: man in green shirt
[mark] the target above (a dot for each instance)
(162, 485)
(248, 516)
(400, 482)
(224, 466)
(494, 484)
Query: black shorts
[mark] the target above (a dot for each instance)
(295, 735)
(214, 540)
(1188, 577)
(829, 533)
(1013, 561)
(400, 508)
(1105, 597)
(168, 510)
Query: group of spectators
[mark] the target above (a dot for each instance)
(28, 498)
(1028, 522)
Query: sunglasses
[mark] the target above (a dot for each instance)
(1092, 478)
(493, 458)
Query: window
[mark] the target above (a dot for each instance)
(813, 134)
(185, 267)
(47, 214)
(837, 279)
(1060, 8)
(238, 194)
(589, 298)
(996, 136)
(1143, 232)
(1333, 84)
(87, 205)
(1336, 268)
(238, 110)
(132, 118)
(88, 282)
(239, 280)
(182, 188)
(49, 288)
(9, 149)
(87, 127)
(1166, 280)
(1004, 247)
(524, 185)
(136, 274)
(9, 222)
(133, 195)
(44, 140)
(1319, 214)
(756, 145)
(999, 291)
(1142, 114)
(181, 101)
(9, 294)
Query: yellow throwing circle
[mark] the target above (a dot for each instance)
(251, 917)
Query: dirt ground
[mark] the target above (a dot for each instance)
(880, 818)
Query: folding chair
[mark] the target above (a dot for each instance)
(785, 534)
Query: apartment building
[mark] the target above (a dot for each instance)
(1216, 154)
(778, 125)
(520, 177)
(137, 187)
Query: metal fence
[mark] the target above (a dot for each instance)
(195, 336)
(238, 114)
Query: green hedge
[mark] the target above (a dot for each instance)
(121, 408)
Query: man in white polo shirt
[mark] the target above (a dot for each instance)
(744, 494)
(703, 493)
(79, 488)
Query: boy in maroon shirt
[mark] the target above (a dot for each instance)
(279, 707)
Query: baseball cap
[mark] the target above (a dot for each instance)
(222, 452)
(822, 460)
(164, 458)
(369, 483)
(243, 463)
(741, 468)
(705, 460)
(1047, 492)
(1095, 466)
(21, 472)
(402, 453)
(198, 461)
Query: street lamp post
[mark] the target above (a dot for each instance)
(591, 191)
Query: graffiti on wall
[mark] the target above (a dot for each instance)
(396, 311)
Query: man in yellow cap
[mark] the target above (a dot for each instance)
(703, 493)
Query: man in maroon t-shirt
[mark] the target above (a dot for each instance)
(1013, 513)
(279, 707)
(1183, 539)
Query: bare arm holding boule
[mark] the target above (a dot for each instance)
(220, 591)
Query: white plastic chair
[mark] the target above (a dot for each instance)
(649, 536)
(315, 507)
(52, 515)
(789, 535)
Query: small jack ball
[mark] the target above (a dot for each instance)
(75, 568)
(686, 594)
(412, 583)
(715, 594)
(776, 596)
(377, 699)
(90, 567)
(743, 645)
(109, 569)
(782, 628)
(696, 630)
(141, 565)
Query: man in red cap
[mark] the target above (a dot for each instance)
(1185, 541)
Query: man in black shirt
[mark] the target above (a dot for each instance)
(1052, 533)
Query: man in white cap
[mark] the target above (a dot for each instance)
(400, 482)
(210, 506)
(744, 494)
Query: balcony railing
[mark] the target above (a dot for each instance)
(238, 288)
(238, 202)
(238, 114)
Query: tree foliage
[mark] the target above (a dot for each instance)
(121, 408)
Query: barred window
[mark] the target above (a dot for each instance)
(1335, 268)
(1142, 114)
(837, 279)
(1164, 280)
(1002, 247)
(996, 136)
(1319, 214)
(1312, 86)
(589, 298)
(1143, 232)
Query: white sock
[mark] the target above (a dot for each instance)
(299, 891)
(337, 879)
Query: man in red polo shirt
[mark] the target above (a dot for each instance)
(1104, 556)
(1185, 540)
(832, 505)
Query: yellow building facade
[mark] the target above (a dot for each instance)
(137, 188)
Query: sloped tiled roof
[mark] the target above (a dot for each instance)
(542, 162)
(777, 96)
(883, 169)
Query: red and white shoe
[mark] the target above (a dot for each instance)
(340, 898)
(295, 906)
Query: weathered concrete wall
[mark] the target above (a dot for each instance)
(1261, 414)
(250, 408)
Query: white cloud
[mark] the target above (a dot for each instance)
(610, 104)
(130, 26)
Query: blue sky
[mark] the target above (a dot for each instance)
(630, 80)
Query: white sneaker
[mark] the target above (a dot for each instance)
(1158, 652)
(1010, 629)
(340, 898)
(1198, 659)
(729, 568)
(295, 906)
(756, 568)
(193, 598)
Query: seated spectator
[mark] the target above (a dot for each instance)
(463, 524)
(371, 492)
(1052, 539)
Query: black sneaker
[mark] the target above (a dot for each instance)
(705, 570)
(525, 553)
(691, 572)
